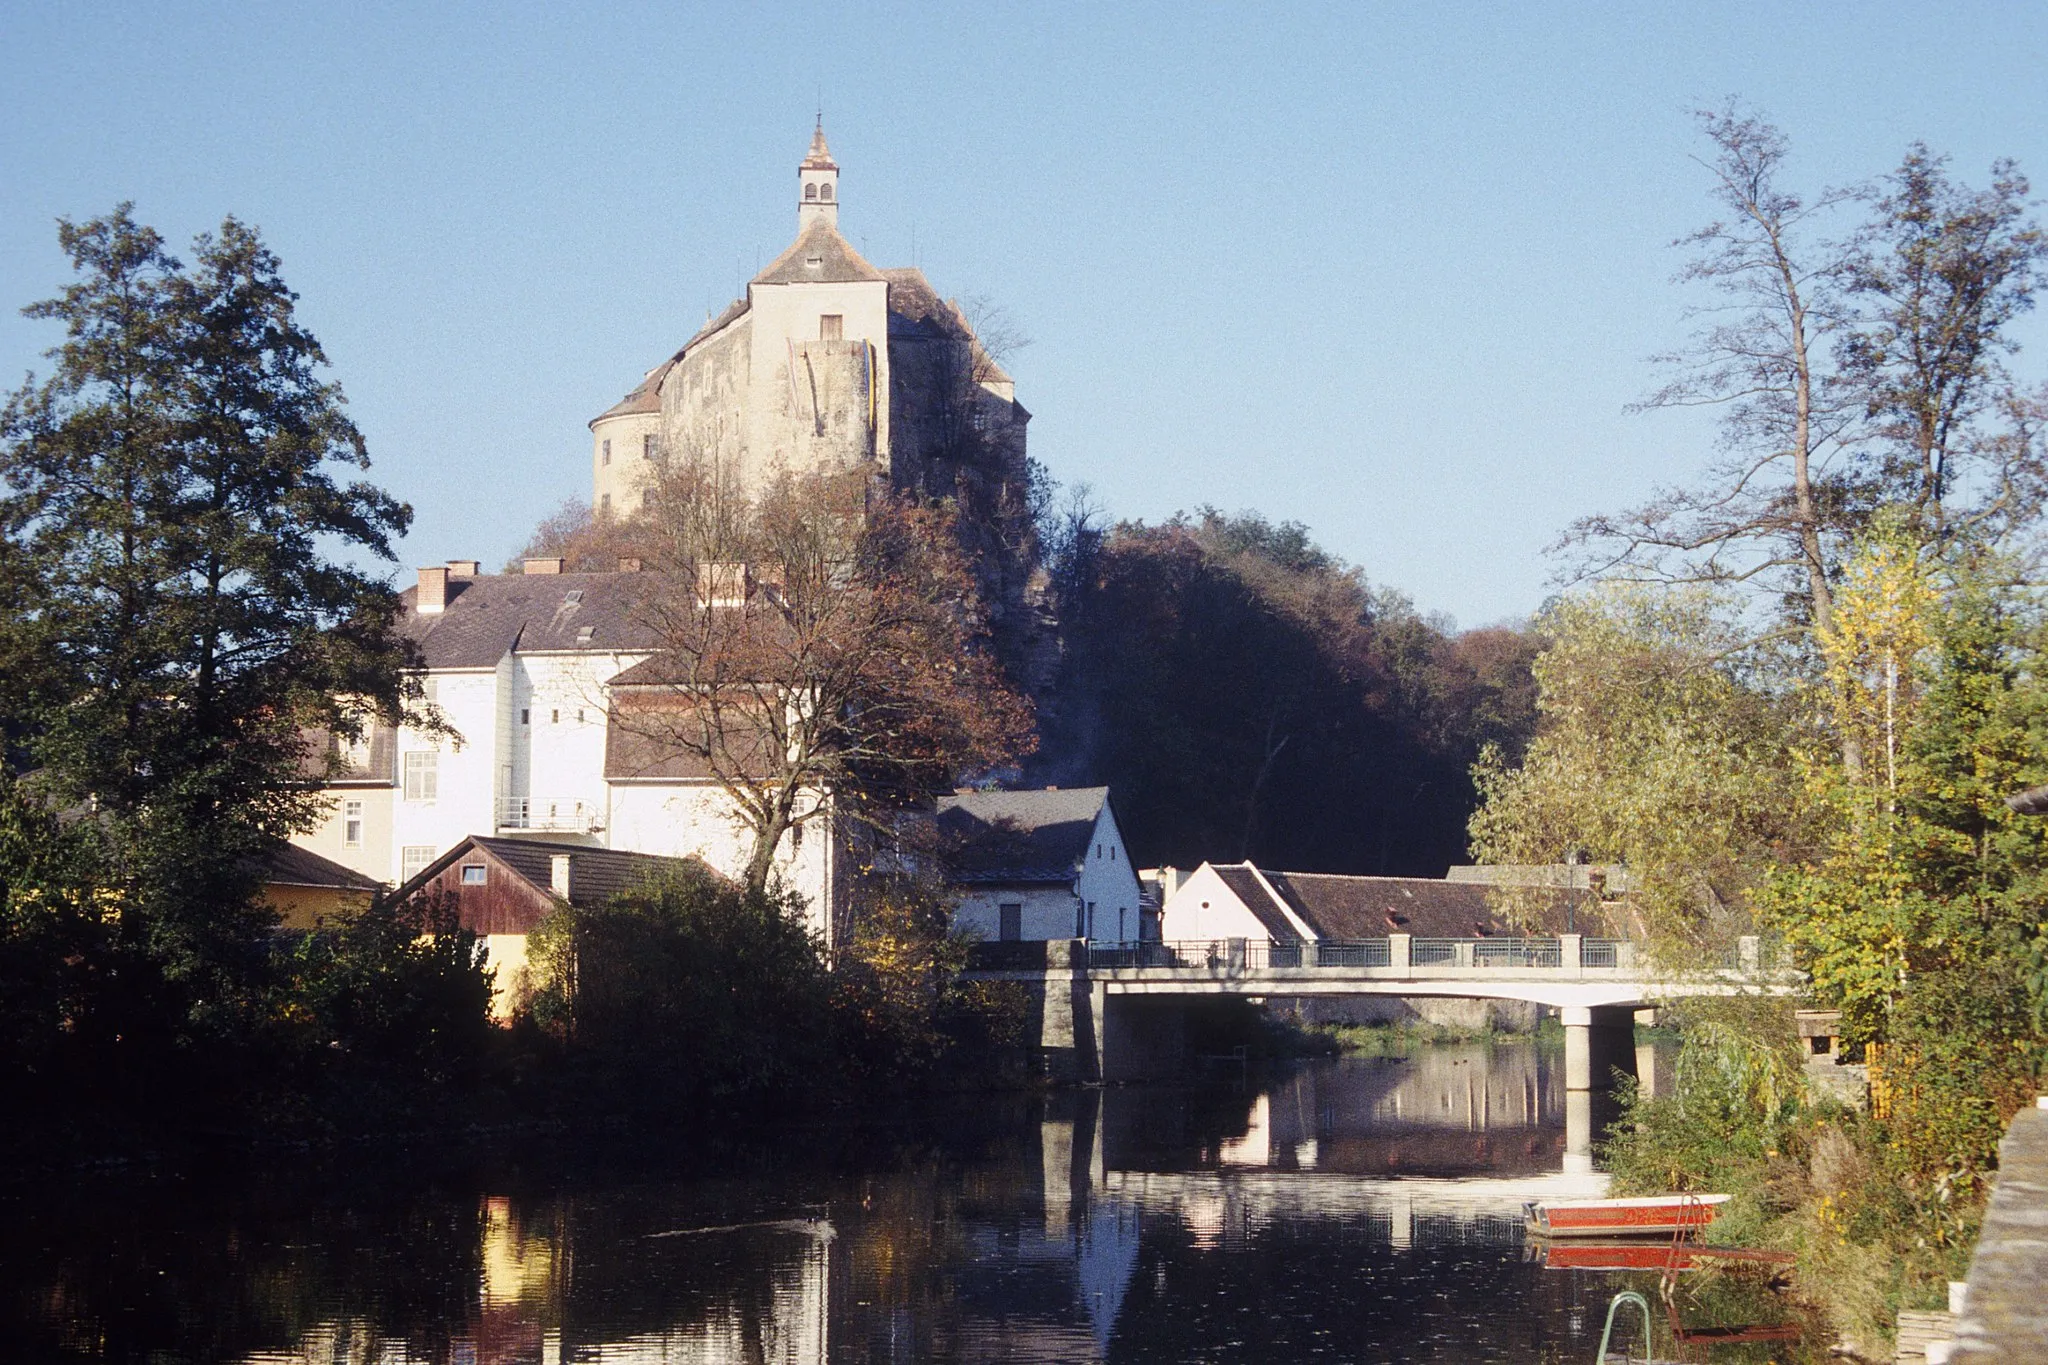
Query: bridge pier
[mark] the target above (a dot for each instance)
(1599, 1040)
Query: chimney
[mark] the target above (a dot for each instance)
(629, 564)
(464, 568)
(540, 566)
(433, 594)
(558, 874)
(1049, 787)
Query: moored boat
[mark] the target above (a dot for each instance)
(1643, 1217)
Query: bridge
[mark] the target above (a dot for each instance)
(1112, 1013)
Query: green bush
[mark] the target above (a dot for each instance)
(686, 990)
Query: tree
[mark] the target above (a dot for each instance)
(823, 653)
(1856, 367)
(173, 616)
(1660, 745)
(1250, 696)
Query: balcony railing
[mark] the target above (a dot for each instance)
(572, 814)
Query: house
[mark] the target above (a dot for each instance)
(1040, 864)
(308, 891)
(1238, 900)
(502, 888)
(542, 680)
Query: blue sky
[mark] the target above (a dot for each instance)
(1393, 271)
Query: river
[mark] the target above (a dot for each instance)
(1356, 1209)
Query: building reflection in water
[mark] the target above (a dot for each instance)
(1352, 1190)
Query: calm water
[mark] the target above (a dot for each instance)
(1358, 1209)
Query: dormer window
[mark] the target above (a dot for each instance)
(574, 598)
(814, 262)
(583, 634)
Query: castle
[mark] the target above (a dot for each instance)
(826, 365)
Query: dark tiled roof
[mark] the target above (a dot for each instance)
(646, 395)
(1373, 907)
(290, 865)
(492, 613)
(595, 874)
(1019, 836)
(1244, 884)
(917, 311)
(837, 261)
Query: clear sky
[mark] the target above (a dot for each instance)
(1393, 271)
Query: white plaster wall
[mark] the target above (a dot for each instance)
(1048, 912)
(1108, 879)
(374, 857)
(697, 819)
(629, 470)
(704, 398)
(777, 438)
(1205, 908)
(466, 770)
(564, 700)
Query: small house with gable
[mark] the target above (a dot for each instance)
(1042, 864)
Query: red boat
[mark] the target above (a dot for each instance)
(1658, 1213)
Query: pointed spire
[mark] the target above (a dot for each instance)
(820, 158)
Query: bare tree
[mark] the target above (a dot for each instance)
(1771, 506)
(823, 653)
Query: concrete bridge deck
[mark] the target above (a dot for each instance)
(1108, 1010)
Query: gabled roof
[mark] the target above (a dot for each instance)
(596, 875)
(1244, 883)
(1342, 907)
(289, 865)
(492, 613)
(819, 255)
(1019, 837)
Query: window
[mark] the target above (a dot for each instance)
(475, 874)
(583, 634)
(1010, 920)
(647, 497)
(1112, 852)
(422, 775)
(607, 449)
(579, 715)
(1098, 853)
(554, 717)
(1080, 920)
(810, 191)
(1121, 936)
(351, 824)
(573, 598)
(525, 715)
(1091, 921)
(647, 446)
(604, 505)
(796, 838)
(414, 859)
(831, 326)
(824, 191)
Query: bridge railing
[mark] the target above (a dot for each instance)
(1257, 954)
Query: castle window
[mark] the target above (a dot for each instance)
(824, 191)
(607, 449)
(831, 326)
(604, 505)
(647, 446)
(810, 191)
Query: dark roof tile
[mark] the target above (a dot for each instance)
(492, 613)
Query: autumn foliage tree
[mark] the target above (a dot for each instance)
(823, 652)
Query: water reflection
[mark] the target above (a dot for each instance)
(1360, 1209)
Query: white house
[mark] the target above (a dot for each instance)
(525, 670)
(1041, 864)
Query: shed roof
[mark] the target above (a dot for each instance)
(492, 613)
(289, 865)
(1019, 837)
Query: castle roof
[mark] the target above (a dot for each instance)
(916, 308)
(820, 157)
(819, 255)
(646, 396)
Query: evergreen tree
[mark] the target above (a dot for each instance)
(172, 615)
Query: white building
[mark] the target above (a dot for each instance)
(525, 670)
(1041, 864)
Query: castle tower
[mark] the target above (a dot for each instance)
(817, 184)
